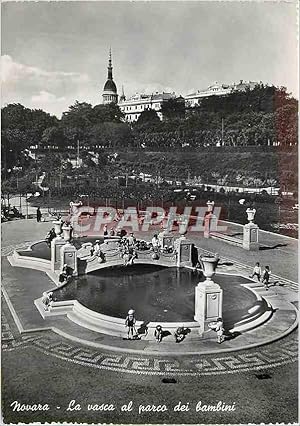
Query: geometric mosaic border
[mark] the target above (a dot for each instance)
(274, 355)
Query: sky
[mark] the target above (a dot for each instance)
(54, 53)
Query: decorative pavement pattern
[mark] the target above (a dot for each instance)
(285, 352)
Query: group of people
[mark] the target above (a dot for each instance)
(96, 251)
(262, 276)
(127, 247)
(130, 323)
(8, 213)
(113, 232)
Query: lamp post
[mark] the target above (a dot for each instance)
(17, 169)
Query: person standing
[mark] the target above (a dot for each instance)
(131, 240)
(105, 230)
(256, 271)
(96, 248)
(38, 214)
(266, 277)
(158, 333)
(155, 242)
(130, 323)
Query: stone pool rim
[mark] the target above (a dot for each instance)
(110, 325)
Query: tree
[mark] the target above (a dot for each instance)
(21, 128)
(107, 113)
(173, 108)
(149, 116)
(26, 122)
(53, 137)
(110, 135)
(76, 122)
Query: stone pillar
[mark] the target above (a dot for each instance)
(69, 257)
(209, 219)
(250, 232)
(165, 239)
(183, 249)
(207, 224)
(74, 209)
(56, 245)
(208, 295)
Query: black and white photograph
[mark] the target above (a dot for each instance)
(149, 212)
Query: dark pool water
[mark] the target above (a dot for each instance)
(156, 293)
(43, 251)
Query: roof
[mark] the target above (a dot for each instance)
(110, 86)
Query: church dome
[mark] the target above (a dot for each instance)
(110, 86)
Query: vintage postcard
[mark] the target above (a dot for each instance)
(149, 212)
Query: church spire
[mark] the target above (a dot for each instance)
(110, 94)
(122, 98)
(110, 68)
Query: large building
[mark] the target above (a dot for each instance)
(134, 106)
(217, 89)
(110, 94)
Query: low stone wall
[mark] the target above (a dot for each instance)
(29, 262)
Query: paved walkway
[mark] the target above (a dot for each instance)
(198, 364)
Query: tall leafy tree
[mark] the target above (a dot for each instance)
(173, 108)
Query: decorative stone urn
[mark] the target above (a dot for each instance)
(209, 264)
(58, 227)
(76, 205)
(182, 232)
(250, 214)
(67, 231)
(56, 245)
(208, 295)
